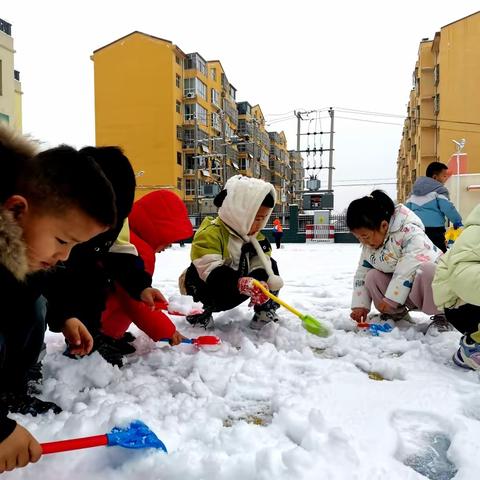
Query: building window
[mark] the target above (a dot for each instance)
(177, 80)
(215, 97)
(179, 158)
(179, 132)
(436, 104)
(177, 59)
(189, 186)
(195, 62)
(178, 107)
(244, 164)
(189, 112)
(193, 87)
(179, 183)
(189, 162)
(213, 74)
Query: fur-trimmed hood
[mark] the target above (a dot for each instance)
(13, 251)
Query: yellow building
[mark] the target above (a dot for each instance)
(177, 119)
(444, 103)
(10, 86)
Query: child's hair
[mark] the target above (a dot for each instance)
(62, 178)
(268, 201)
(117, 168)
(370, 211)
(435, 168)
(15, 150)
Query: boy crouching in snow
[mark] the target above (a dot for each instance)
(228, 252)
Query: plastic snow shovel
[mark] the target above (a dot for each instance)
(202, 341)
(165, 306)
(309, 323)
(136, 435)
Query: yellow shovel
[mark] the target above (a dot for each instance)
(309, 323)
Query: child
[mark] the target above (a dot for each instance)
(431, 202)
(397, 263)
(277, 232)
(456, 288)
(102, 265)
(229, 251)
(157, 220)
(45, 210)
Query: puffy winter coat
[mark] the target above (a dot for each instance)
(431, 202)
(222, 246)
(457, 278)
(159, 218)
(405, 247)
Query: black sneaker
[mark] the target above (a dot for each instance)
(26, 404)
(34, 379)
(110, 349)
(204, 320)
(128, 337)
(440, 324)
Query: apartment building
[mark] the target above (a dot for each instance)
(177, 118)
(444, 104)
(10, 86)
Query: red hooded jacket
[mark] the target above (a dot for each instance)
(159, 218)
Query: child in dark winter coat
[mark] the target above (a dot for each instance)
(397, 263)
(45, 210)
(156, 221)
(99, 266)
(229, 251)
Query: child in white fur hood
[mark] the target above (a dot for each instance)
(230, 250)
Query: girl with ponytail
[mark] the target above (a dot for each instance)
(397, 263)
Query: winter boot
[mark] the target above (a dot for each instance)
(34, 378)
(16, 402)
(203, 319)
(264, 314)
(440, 324)
(468, 355)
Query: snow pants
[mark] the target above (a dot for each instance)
(122, 310)
(421, 294)
(20, 347)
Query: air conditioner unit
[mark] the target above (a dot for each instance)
(190, 95)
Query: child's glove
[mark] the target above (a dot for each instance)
(457, 225)
(246, 286)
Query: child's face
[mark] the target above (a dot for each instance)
(262, 214)
(50, 238)
(441, 177)
(372, 238)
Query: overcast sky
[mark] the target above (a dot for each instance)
(283, 55)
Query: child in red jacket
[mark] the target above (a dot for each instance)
(156, 221)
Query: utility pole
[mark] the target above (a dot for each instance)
(330, 153)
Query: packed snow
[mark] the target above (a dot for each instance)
(276, 404)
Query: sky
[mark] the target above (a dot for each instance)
(284, 55)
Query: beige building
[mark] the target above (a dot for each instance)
(444, 103)
(10, 87)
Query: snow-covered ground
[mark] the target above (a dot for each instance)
(277, 404)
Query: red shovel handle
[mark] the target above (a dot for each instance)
(74, 444)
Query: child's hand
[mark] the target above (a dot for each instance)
(18, 449)
(177, 338)
(151, 295)
(79, 340)
(359, 314)
(246, 286)
(387, 305)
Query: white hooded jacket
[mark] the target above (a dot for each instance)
(405, 247)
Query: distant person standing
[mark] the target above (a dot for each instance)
(277, 232)
(430, 200)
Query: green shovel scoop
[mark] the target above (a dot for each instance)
(309, 323)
